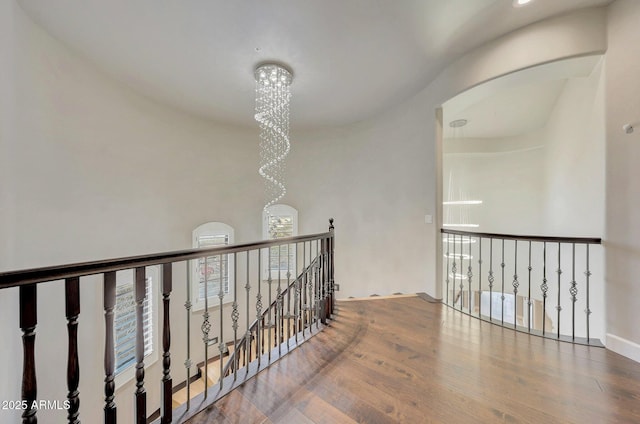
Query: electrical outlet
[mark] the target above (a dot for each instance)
(336, 287)
(428, 219)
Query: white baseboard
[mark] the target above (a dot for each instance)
(623, 346)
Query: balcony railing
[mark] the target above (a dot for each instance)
(534, 284)
(286, 308)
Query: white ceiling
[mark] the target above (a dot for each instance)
(515, 104)
(351, 58)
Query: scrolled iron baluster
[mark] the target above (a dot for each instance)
(480, 277)
(529, 302)
(279, 306)
(587, 275)
(259, 320)
(469, 275)
(288, 316)
(502, 265)
(235, 314)
(187, 306)
(454, 269)
(222, 347)
(447, 276)
(461, 296)
(297, 300)
(515, 285)
(247, 335)
(573, 291)
(544, 287)
(206, 326)
(491, 279)
(559, 272)
(269, 308)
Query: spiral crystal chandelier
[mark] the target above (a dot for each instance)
(272, 113)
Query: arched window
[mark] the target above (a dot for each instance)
(279, 221)
(216, 270)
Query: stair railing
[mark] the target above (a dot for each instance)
(252, 345)
(308, 299)
(509, 280)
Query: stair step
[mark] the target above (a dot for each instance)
(213, 368)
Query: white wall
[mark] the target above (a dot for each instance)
(10, 351)
(574, 142)
(370, 178)
(98, 171)
(505, 174)
(622, 226)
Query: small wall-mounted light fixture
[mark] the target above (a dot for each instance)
(628, 128)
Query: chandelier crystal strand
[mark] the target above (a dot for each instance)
(272, 113)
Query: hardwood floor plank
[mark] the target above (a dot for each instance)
(409, 360)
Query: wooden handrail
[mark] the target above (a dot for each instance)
(60, 272)
(254, 325)
(27, 282)
(579, 240)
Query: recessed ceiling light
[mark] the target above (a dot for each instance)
(458, 123)
(520, 3)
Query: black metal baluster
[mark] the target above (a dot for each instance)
(248, 338)
(304, 291)
(296, 300)
(502, 265)
(529, 302)
(167, 381)
(187, 306)
(72, 310)
(454, 270)
(270, 325)
(310, 290)
(222, 347)
(317, 283)
(461, 295)
(469, 275)
(491, 279)
(331, 265)
(109, 301)
(279, 305)
(288, 315)
(480, 277)
(140, 394)
(544, 287)
(235, 315)
(259, 326)
(515, 285)
(447, 276)
(559, 307)
(573, 290)
(587, 274)
(206, 324)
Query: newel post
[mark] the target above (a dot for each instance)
(332, 289)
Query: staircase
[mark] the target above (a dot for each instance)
(269, 336)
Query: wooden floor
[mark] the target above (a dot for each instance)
(410, 361)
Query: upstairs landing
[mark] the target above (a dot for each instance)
(404, 359)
